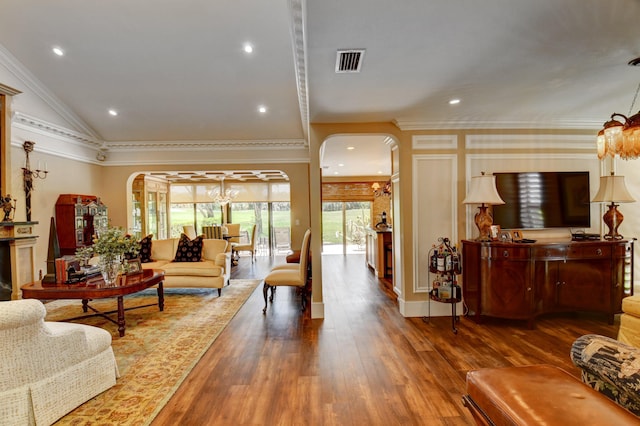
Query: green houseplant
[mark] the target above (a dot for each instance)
(111, 245)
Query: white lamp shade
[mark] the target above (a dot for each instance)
(613, 190)
(483, 191)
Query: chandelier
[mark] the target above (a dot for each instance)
(222, 196)
(621, 137)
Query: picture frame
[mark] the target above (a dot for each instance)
(132, 266)
(504, 236)
(494, 232)
(516, 235)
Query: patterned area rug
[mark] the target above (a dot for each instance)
(158, 350)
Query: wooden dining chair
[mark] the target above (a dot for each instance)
(288, 275)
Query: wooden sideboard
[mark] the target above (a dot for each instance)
(379, 255)
(524, 280)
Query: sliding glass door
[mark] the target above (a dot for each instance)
(343, 226)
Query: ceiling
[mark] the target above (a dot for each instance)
(176, 70)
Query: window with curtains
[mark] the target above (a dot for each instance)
(265, 204)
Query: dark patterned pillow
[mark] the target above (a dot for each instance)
(131, 254)
(189, 250)
(145, 249)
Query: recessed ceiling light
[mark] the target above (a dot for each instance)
(379, 172)
(58, 51)
(336, 173)
(351, 148)
(340, 165)
(454, 101)
(113, 112)
(262, 109)
(248, 48)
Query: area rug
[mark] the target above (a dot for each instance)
(158, 351)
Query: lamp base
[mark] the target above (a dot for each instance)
(483, 220)
(613, 218)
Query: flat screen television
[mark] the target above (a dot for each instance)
(536, 200)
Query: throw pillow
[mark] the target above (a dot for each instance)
(131, 254)
(145, 249)
(189, 250)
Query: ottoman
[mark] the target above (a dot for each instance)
(538, 395)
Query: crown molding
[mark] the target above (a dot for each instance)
(408, 125)
(66, 143)
(297, 12)
(9, 91)
(37, 125)
(40, 90)
(29, 122)
(533, 141)
(224, 145)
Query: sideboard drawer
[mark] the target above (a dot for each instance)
(511, 253)
(588, 251)
(550, 253)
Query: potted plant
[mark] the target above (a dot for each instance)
(111, 245)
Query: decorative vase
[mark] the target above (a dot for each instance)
(110, 268)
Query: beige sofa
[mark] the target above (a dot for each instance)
(213, 271)
(49, 368)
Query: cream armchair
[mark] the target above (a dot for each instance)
(290, 274)
(251, 246)
(49, 368)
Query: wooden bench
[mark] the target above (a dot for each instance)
(538, 395)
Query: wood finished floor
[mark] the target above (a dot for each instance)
(363, 364)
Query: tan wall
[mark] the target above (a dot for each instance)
(111, 184)
(462, 159)
(65, 177)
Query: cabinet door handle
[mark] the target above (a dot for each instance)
(528, 288)
(599, 252)
(505, 253)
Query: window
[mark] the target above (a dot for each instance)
(262, 203)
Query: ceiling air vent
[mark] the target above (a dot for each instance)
(349, 60)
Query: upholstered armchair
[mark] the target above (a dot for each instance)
(251, 246)
(611, 366)
(290, 274)
(49, 368)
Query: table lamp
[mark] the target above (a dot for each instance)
(483, 191)
(613, 190)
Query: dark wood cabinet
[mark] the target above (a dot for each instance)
(78, 218)
(522, 281)
(506, 270)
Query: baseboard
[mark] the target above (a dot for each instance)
(422, 308)
(317, 310)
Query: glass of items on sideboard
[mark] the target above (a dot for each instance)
(445, 264)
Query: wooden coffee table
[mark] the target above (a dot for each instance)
(96, 288)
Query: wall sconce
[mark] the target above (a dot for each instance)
(29, 175)
(483, 191)
(613, 190)
(381, 191)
